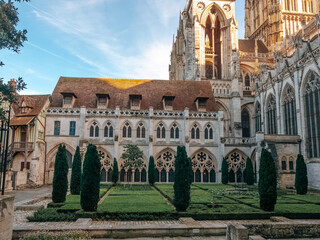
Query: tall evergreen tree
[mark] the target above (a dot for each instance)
(90, 180)
(60, 177)
(267, 182)
(182, 180)
(76, 173)
(115, 171)
(151, 171)
(249, 172)
(224, 171)
(301, 181)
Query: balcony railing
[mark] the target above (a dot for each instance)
(22, 146)
(238, 141)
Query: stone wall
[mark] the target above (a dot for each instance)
(6, 217)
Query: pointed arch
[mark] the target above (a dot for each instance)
(245, 122)
(141, 130)
(219, 13)
(195, 130)
(204, 166)
(164, 164)
(236, 165)
(271, 114)
(174, 130)
(126, 129)
(289, 111)
(161, 130)
(52, 154)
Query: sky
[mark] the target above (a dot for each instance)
(95, 38)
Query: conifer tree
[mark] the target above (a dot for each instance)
(267, 182)
(301, 181)
(76, 173)
(90, 180)
(182, 180)
(115, 171)
(151, 171)
(60, 177)
(224, 171)
(249, 172)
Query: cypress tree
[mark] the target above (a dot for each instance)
(182, 180)
(224, 171)
(249, 172)
(76, 173)
(60, 177)
(90, 180)
(301, 181)
(151, 171)
(115, 171)
(267, 182)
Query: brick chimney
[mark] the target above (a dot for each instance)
(13, 83)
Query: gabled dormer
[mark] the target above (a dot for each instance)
(135, 101)
(201, 103)
(23, 109)
(68, 99)
(167, 101)
(102, 100)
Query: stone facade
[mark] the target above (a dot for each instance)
(6, 217)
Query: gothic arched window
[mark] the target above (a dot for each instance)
(236, 166)
(312, 115)
(247, 80)
(141, 131)
(195, 132)
(290, 112)
(161, 131)
(126, 130)
(203, 165)
(208, 132)
(245, 121)
(272, 115)
(258, 118)
(108, 130)
(174, 131)
(94, 130)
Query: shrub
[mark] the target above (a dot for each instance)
(51, 215)
(151, 171)
(115, 171)
(224, 171)
(60, 177)
(90, 180)
(182, 180)
(267, 182)
(249, 172)
(301, 180)
(76, 173)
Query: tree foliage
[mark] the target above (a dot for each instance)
(115, 171)
(249, 172)
(301, 180)
(224, 171)
(76, 173)
(182, 180)
(151, 171)
(60, 177)
(133, 156)
(267, 181)
(90, 180)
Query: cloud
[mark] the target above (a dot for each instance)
(30, 92)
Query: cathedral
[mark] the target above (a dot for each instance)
(226, 98)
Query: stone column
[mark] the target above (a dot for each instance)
(185, 133)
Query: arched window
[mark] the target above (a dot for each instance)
(164, 163)
(141, 131)
(195, 132)
(236, 166)
(94, 130)
(106, 166)
(312, 114)
(208, 132)
(174, 131)
(272, 115)
(258, 118)
(203, 167)
(126, 131)
(245, 121)
(108, 130)
(290, 112)
(161, 131)
(247, 80)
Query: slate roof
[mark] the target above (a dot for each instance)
(119, 90)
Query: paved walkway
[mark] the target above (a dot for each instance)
(26, 195)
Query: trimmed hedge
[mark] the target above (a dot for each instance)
(51, 215)
(76, 173)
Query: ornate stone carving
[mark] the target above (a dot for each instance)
(227, 7)
(201, 5)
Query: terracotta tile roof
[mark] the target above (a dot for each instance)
(20, 121)
(249, 46)
(119, 90)
(35, 102)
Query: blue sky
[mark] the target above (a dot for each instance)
(95, 38)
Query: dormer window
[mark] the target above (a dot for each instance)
(201, 103)
(167, 102)
(102, 100)
(24, 108)
(68, 99)
(135, 101)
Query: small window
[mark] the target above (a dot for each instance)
(68, 100)
(174, 131)
(94, 130)
(195, 132)
(56, 128)
(102, 100)
(22, 166)
(135, 101)
(284, 165)
(161, 131)
(108, 131)
(72, 129)
(202, 103)
(141, 131)
(291, 167)
(126, 131)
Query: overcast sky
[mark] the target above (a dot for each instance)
(95, 38)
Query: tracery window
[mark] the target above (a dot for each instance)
(174, 131)
(272, 115)
(133, 173)
(141, 131)
(195, 132)
(203, 167)
(258, 118)
(312, 115)
(290, 112)
(108, 130)
(245, 121)
(161, 131)
(165, 166)
(247, 80)
(94, 130)
(126, 131)
(106, 166)
(208, 132)
(236, 166)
